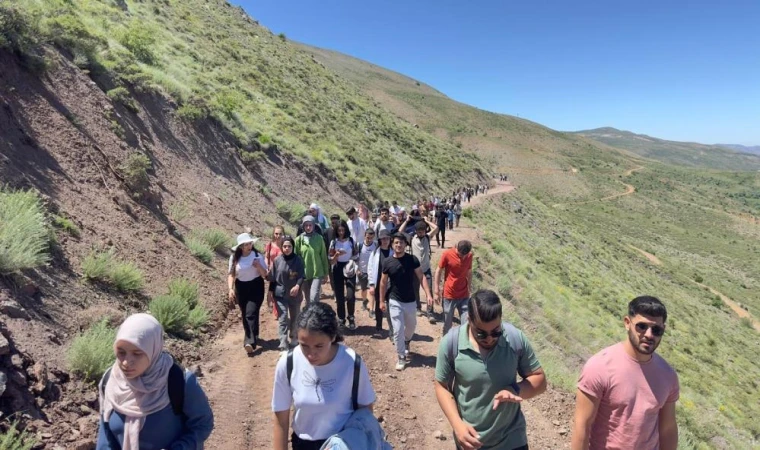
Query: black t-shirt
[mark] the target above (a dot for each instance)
(401, 275)
(440, 217)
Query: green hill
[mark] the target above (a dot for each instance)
(684, 153)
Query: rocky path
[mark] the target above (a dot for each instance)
(240, 388)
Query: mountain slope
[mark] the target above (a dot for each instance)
(754, 149)
(683, 153)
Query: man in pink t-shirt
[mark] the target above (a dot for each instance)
(627, 394)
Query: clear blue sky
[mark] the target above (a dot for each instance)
(675, 69)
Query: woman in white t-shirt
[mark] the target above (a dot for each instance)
(245, 281)
(342, 250)
(320, 385)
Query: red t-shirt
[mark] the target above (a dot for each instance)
(457, 271)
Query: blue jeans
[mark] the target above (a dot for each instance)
(311, 290)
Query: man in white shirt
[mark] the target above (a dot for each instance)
(356, 224)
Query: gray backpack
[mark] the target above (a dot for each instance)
(452, 348)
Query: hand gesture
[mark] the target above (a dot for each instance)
(467, 437)
(505, 396)
(294, 291)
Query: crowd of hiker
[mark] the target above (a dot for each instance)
(485, 367)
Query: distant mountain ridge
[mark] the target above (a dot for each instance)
(754, 149)
(723, 157)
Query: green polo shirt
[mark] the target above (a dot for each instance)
(478, 381)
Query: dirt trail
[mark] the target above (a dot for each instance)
(629, 189)
(735, 307)
(240, 388)
(653, 259)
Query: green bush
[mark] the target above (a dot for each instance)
(121, 95)
(66, 225)
(171, 312)
(19, 33)
(126, 277)
(24, 233)
(97, 266)
(191, 112)
(200, 249)
(135, 171)
(101, 266)
(13, 439)
(186, 290)
(467, 212)
(91, 353)
(198, 317)
(179, 211)
(215, 238)
(140, 40)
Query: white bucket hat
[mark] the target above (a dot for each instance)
(244, 239)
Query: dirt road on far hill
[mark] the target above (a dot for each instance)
(240, 388)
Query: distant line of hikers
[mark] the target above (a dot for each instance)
(484, 367)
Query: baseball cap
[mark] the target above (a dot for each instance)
(383, 234)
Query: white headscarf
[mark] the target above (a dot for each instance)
(146, 394)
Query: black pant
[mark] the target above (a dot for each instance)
(524, 447)
(250, 295)
(440, 236)
(344, 289)
(299, 444)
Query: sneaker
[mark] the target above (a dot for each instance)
(407, 356)
(364, 305)
(342, 324)
(351, 324)
(431, 319)
(372, 314)
(401, 364)
(248, 348)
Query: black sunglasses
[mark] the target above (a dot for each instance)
(483, 335)
(657, 330)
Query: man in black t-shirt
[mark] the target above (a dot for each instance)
(400, 270)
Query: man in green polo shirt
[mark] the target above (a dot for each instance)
(484, 407)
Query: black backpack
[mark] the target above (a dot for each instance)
(354, 386)
(175, 386)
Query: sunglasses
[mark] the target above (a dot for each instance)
(483, 335)
(657, 330)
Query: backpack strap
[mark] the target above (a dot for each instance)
(452, 350)
(175, 386)
(355, 385)
(289, 364)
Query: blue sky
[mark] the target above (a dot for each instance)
(674, 69)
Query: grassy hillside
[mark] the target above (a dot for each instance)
(571, 248)
(215, 61)
(683, 153)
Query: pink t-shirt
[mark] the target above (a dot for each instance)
(631, 396)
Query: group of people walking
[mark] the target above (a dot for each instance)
(484, 368)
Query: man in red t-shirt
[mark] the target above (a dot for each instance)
(457, 262)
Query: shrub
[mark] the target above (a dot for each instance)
(97, 266)
(171, 312)
(139, 39)
(13, 439)
(227, 103)
(282, 36)
(215, 238)
(121, 95)
(698, 278)
(198, 317)
(126, 277)
(135, 171)
(191, 112)
(467, 212)
(186, 290)
(24, 233)
(91, 353)
(200, 249)
(66, 225)
(179, 211)
(19, 33)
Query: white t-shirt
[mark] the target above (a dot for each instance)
(321, 394)
(348, 249)
(421, 249)
(245, 270)
(364, 255)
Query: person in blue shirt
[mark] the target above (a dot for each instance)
(136, 412)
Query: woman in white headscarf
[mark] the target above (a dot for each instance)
(138, 408)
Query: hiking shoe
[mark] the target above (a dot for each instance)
(431, 319)
(401, 364)
(407, 356)
(248, 348)
(372, 314)
(351, 324)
